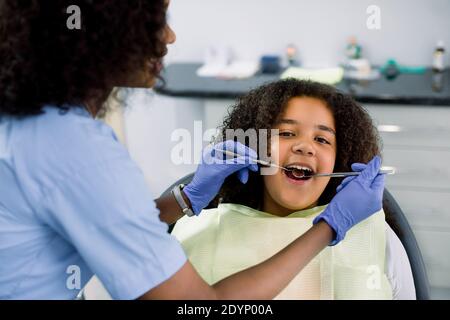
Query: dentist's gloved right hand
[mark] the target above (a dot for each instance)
(357, 199)
(215, 168)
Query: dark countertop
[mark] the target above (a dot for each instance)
(182, 81)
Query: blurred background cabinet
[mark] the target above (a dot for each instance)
(417, 143)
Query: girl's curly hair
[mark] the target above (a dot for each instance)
(43, 62)
(357, 138)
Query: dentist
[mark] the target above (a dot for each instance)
(73, 203)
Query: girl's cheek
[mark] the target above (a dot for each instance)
(275, 154)
(280, 150)
(328, 161)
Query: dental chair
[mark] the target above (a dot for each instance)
(397, 221)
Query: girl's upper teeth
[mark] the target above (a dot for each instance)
(301, 168)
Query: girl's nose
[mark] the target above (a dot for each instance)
(304, 147)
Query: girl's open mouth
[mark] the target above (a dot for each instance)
(299, 173)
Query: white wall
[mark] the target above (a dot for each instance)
(320, 28)
(150, 121)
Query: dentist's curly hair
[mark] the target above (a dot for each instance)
(43, 62)
(357, 138)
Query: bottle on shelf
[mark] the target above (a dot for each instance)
(353, 49)
(292, 56)
(438, 57)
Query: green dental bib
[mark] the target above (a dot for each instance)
(223, 241)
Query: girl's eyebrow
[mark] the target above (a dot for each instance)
(325, 128)
(295, 122)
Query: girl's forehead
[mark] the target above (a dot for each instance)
(307, 109)
(300, 104)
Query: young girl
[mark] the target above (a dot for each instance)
(320, 130)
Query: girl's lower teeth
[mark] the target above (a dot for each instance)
(299, 175)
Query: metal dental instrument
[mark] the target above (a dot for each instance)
(261, 162)
(346, 174)
(302, 175)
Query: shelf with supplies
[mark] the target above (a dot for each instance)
(429, 88)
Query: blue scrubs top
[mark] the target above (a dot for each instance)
(74, 204)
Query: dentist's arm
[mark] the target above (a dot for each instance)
(263, 281)
(169, 209)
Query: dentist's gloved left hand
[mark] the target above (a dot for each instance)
(356, 167)
(357, 198)
(215, 168)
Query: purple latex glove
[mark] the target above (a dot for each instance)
(215, 168)
(357, 199)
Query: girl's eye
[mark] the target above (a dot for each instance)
(286, 134)
(322, 140)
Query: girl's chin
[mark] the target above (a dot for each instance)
(295, 206)
(284, 209)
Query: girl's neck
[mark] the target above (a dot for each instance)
(272, 207)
